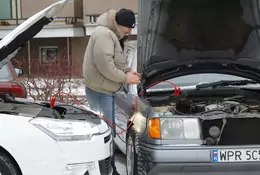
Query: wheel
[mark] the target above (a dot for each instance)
(7, 165)
(135, 159)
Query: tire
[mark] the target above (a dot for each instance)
(138, 164)
(7, 165)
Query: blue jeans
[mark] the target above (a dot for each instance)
(103, 104)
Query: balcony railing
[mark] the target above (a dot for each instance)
(56, 21)
(92, 18)
(16, 16)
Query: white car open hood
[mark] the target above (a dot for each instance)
(17, 38)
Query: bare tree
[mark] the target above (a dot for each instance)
(53, 79)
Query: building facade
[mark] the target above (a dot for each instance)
(62, 42)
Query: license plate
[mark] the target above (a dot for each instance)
(235, 155)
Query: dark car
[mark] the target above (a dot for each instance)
(211, 50)
(9, 82)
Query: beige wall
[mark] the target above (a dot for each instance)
(78, 8)
(99, 6)
(30, 7)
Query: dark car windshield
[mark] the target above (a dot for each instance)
(194, 79)
(5, 74)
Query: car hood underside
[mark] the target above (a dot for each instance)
(180, 37)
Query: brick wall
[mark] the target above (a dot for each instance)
(73, 64)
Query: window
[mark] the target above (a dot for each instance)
(5, 9)
(5, 74)
(129, 54)
(48, 54)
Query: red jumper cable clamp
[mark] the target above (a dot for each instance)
(52, 102)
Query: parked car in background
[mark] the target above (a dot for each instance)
(211, 50)
(43, 137)
(9, 82)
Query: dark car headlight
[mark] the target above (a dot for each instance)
(174, 128)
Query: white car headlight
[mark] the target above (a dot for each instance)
(69, 130)
(180, 128)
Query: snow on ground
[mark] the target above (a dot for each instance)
(73, 86)
(121, 163)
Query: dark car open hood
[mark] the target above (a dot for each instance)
(180, 37)
(17, 38)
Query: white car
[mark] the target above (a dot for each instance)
(38, 139)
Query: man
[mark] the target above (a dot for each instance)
(104, 66)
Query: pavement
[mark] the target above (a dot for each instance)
(121, 163)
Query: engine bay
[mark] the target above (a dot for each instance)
(232, 120)
(11, 106)
(231, 105)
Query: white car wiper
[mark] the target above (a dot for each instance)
(225, 83)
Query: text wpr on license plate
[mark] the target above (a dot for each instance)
(235, 155)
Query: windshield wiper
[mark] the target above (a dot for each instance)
(225, 83)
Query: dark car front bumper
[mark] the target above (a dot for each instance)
(192, 160)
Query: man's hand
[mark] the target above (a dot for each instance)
(132, 78)
(136, 73)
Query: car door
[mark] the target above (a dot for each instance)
(124, 103)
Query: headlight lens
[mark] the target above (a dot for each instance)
(174, 128)
(69, 130)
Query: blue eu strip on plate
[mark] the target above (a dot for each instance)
(215, 155)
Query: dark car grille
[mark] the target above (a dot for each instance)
(105, 166)
(107, 138)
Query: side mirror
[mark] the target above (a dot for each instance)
(19, 72)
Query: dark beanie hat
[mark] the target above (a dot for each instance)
(125, 17)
